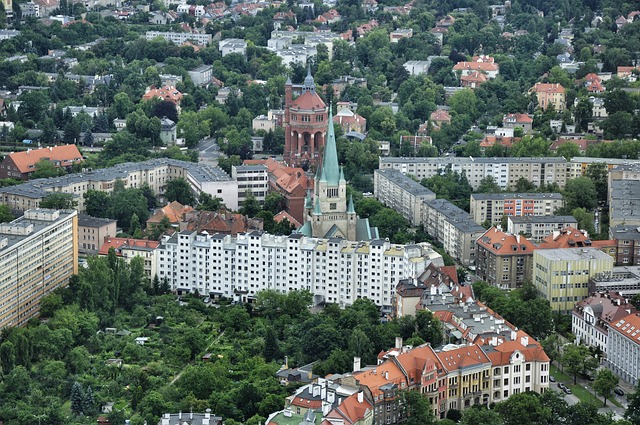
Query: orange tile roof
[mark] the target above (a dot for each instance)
(474, 77)
(307, 403)
(66, 155)
(440, 115)
(120, 243)
(174, 211)
(572, 238)
(503, 352)
(351, 410)
(519, 118)
(476, 66)
(549, 88)
(308, 101)
(386, 373)
(168, 93)
(629, 326)
(463, 357)
(450, 271)
(285, 215)
(502, 243)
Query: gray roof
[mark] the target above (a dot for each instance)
(457, 217)
(567, 219)
(573, 254)
(28, 225)
(625, 232)
(405, 182)
(190, 419)
(467, 160)
(625, 200)
(502, 196)
(250, 167)
(85, 220)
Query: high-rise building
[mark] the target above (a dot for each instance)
(38, 253)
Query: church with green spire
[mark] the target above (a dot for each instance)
(328, 214)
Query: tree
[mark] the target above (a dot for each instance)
(207, 202)
(568, 150)
(274, 202)
(604, 384)
(417, 408)
(45, 169)
(88, 402)
(7, 357)
(250, 206)
(59, 201)
(574, 359)
(480, 416)
(428, 327)
(523, 408)
(5, 214)
(584, 219)
(179, 190)
(96, 203)
(633, 407)
(76, 398)
(488, 185)
(580, 193)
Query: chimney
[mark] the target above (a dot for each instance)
(398, 342)
(180, 415)
(356, 364)
(286, 362)
(360, 397)
(513, 335)
(524, 340)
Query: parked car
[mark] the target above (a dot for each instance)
(561, 385)
(618, 391)
(552, 379)
(567, 390)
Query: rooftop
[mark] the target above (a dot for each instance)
(32, 222)
(573, 254)
(565, 219)
(405, 182)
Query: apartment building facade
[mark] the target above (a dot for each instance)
(129, 248)
(252, 179)
(38, 253)
(536, 228)
(505, 171)
(453, 228)
(623, 348)
(503, 259)
(181, 37)
(627, 239)
(550, 95)
(155, 173)
(562, 275)
(334, 270)
(401, 193)
(624, 203)
(492, 206)
(92, 231)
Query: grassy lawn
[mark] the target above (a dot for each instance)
(584, 395)
(559, 375)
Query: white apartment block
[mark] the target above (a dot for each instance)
(334, 270)
(38, 253)
(180, 37)
(252, 179)
(536, 228)
(232, 45)
(401, 193)
(492, 206)
(505, 171)
(154, 172)
(623, 348)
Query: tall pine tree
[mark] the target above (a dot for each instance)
(76, 398)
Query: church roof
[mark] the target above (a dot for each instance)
(350, 208)
(316, 208)
(330, 168)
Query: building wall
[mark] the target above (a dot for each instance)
(504, 271)
(399, 193)
(254, 180)
(91, 238)
(623, 356)
(563, 282)
(537, 231)
(334, 270)
(494, 209)
(34, 264)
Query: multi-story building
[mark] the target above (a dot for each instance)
(562, 275)
(30, 10)
(624, 280)
(503, 259)
(492, 206)
(20, 165)
(129, 248)
(232, 45)
(623, 348)
(453, 228)
(624, 203)
(334, 270)
(537, 228)
(550, 95)
(505, 171)
(401, 193)
(155, 173)
(181, 37)
(38, 253)
(92, 231)
(252, 179)
(483, 64)
(201, 75)
(574, 238)
(627, 239)
(306, 124)
(592, 317)
(579, 165)
(523, 121)
(627, 171)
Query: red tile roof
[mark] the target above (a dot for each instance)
(174, 211)
(63, 156)
(549, 88)
(351, 410)
(476, 66)
(120, 243)
(285, 215)
(502, 243)
(168, 93)
(463, 357)
(518, 118)
(629, 326)
(308, 101)
(573, 238)
(440, 115)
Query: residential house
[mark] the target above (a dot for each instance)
(222, 221)
(536, 228)
(173, 211)
(349, 120)
(440, 117)
(20, 165)
(399, 34)
(166, 93)
(483, 64)
(233, 45)
(549, 95)
(92, 231)
(190, 418)
(129, 248)
(523, 121)
(473, 80)
(168, 132)
(201, 76)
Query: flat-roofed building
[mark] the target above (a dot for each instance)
(252, 180)
(538, 227)
(562, 275)
(401, 193)
(38, 254)
(92, 231)
(624, 203)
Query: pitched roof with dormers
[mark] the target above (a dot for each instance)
(629, 326)
(174, 211)
(381, 375)
(476, 66)
(573, 238)
(502, 354)
(350, 411)
(517, 118)
(168, 93)
(502, 243)
(463, 357)
(62, 156)
(126, 243)
(548, 88)
(440, 115)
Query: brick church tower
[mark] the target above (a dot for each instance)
(306, 123)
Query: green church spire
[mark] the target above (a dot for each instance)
(350, 207)
(330, 169)
(316, 207)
